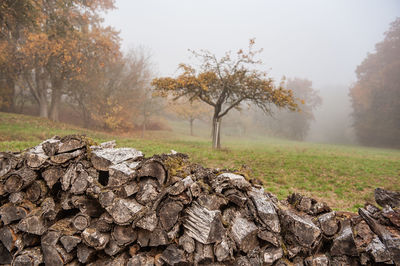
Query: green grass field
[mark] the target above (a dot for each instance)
(342, 176)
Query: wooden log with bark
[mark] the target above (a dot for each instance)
(65, 203)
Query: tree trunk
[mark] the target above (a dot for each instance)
(143, 127)
(216, 132)
(191, 126)
(55, 102)
(7, 97)
(43, 108)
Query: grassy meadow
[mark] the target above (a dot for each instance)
(342, 176)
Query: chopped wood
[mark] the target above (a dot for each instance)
(81, 221)
(124, 235)
(187, 243)
(95, 238)
(10, 213)
(204, 225)
(153, 169)
(103, 158)
(244, 232)
(64, 157)
(52, 175)
(70, 242)
(169, 214)
(62, 203)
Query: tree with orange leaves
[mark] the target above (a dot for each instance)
(226, 83)
(54, 51)
(376, 94)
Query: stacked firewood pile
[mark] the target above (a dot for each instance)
(69, 202)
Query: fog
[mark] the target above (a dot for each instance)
(322, 41)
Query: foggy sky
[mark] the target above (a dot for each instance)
(320, 40)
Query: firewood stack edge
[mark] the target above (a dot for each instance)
(70, 202)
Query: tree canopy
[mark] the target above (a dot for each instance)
(226, 83)
(376, 94)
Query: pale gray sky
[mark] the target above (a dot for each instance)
(317, 39)
(320, 40)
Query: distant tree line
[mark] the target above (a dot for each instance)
(376, 94)
(57, 53)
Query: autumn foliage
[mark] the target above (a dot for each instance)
(376, 94)
(226, 83)
(57, 55)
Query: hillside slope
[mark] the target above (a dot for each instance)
(339, 175)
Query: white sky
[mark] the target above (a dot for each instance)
(320, 40)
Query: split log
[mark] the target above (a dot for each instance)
(148, 221)
(320, 259)
(244, 232)
(148, 191)
(80, 183)
(223, 251)
(272, 238)
(50, 147)
(392, 216)
(124, 211)
(103, 158)
(130, 189)
(343, 243)
(84, 253)
(328, 223)
(265, 209)
(140, 260)
(388, 235)
(153, 169)
(88, 205)
(204, 254)
(36, 191)
(8, 237)
(106, 198)
(230, 180)
(124, 235)
(299, 229)
(204, 225)
(113, 248)
(29, 256)
(386, 197)
(169, 214)
(152, 239)
(35, 160)
(70, 174)
(378, 250)
(120, 174)
(5, 256)
(64, 157)
(187, 243)
(19, 180)
(70, 242)
(95, 239)
(30, 240)
(70, 144)
(49, 209)
(51, 175)
(8, 161)
(33, 225)
(235, 196)
(173, 255)
(10, 213)
(51, 255)
(211, 201)
(272, 254)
